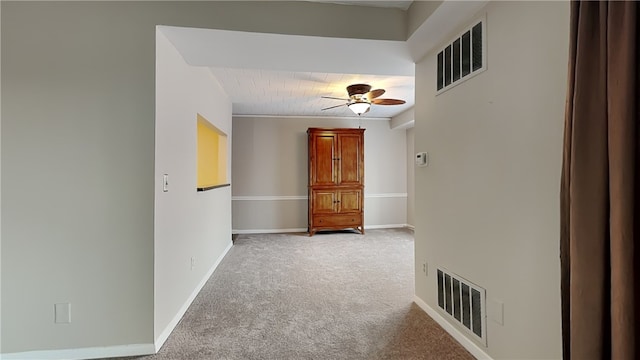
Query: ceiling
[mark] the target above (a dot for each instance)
(287, 75)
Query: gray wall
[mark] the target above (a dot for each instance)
(487, 204)
(411, 171)
(77, 175)
(78, 155)
(418, 12)
(0, 178)
(270, 172)
(400, 122)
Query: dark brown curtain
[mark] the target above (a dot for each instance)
(600, 192)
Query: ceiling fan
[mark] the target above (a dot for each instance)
(361, 97)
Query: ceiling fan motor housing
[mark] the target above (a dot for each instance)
(358, 89)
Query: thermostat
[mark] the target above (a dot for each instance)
(422, 159)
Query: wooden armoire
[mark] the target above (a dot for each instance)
(336, 179)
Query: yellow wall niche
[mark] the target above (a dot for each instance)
(212, 155)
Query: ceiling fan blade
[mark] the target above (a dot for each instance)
(374, 93)
(334, 98)
(331, 107)
(387, 102)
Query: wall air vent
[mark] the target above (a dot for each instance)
(463, 302)
(463, 57)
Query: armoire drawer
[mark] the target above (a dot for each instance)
(337, 220)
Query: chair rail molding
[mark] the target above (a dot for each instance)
(305, 197)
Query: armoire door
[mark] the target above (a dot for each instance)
(350, 159)
(324, 201)
(323, 148)
(349, 201)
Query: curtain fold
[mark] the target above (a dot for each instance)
(600, 187)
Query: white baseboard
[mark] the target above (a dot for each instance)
(164, 335)
(471, 347)
(408, 226)
(387, 226)
(269, 231)
(83, 353)
(297, 230)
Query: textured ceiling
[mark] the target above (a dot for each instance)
(262, 92)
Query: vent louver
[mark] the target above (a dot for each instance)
(463, 302)
(463, 57)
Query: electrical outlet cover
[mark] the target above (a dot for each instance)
(62, 313)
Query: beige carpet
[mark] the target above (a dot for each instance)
(330, 296)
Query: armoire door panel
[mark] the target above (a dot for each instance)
(324, 202)
(350, 200)
(324, 159)
(349, 163)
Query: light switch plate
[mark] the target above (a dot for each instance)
(165, 182)
(496, 311)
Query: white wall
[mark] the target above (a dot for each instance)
(188, 224)
(488, 205)
(271, 174)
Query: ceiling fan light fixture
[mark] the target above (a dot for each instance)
(361, 97)
(359, 108)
